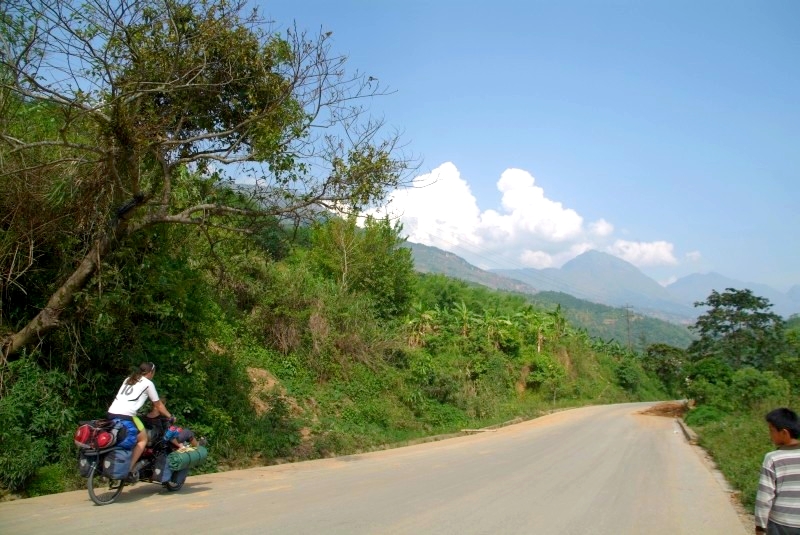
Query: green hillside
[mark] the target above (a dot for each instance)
(278, 334)
(599, 321)
(609, 323)
(307, 355)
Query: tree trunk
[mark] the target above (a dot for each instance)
(49, 317)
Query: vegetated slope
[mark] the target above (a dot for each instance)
(609, 323)
(601, 321)
(433, 260)
(279, 360)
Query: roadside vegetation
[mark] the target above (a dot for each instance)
(284, 325)
(745, 363)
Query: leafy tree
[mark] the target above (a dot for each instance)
(707, 379)
(750, 388)
(787, 363)
(368, 260)
(739, 329)
(121, 115)
(666, 362)
(547, 375)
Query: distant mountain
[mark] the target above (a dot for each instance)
(697, 287)
(794, 293)
(433, 260)
(600, 321)
(606, 279)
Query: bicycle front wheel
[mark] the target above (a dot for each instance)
(103, 490)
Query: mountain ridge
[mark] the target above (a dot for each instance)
(606, 279)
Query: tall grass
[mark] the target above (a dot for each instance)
(737, 443)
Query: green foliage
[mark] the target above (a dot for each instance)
(667, 363)
(751, 388)
(707, 381)
(712, 382)
(704, 415)
(35, 411)
(739, 329)
(738, 443)
(713, 369)
(273, 434)
(787, 363)
(137, 137)
(368, 260)
(628, 375)
(547, 374)
(53, 478)
(609, 323)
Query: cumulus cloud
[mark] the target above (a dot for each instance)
(668, 281)
(536, 259)
(530, 212)
(655, 253)
(438, 209)
(601, 228)
(529, 230)
(693, 256)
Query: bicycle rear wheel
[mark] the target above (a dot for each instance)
(103, 490)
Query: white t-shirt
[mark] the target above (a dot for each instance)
(130, 398)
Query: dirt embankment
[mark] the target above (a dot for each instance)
(672, 409)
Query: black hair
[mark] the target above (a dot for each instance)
(784, 418)
(144, 369)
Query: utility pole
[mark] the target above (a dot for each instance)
(628, 320)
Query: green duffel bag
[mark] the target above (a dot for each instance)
(179, 460)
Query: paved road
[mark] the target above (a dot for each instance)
(594, 470)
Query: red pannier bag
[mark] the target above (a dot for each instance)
(95, 434)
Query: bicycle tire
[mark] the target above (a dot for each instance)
(103, 490)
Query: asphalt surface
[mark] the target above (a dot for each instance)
(593, 470)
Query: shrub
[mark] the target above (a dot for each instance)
(35, 414)
(750, 388)
(703, 415)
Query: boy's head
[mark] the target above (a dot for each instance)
(784, 426)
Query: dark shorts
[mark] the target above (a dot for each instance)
(186, 435)
(778, 529)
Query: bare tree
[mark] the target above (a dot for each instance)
(123, 114)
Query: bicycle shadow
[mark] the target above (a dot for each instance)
(145, 490)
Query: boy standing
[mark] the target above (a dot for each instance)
(778, 498)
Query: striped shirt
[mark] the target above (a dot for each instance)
(778, 496)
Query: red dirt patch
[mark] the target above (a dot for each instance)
(672, 409)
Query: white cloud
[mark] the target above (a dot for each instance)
(601, 228)
(668, 281)
(529, 211)
(693, 256)
(439, 209)
(644, 253)
(536, 259)
(529, 230)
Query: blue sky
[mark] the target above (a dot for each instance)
(666, 133)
